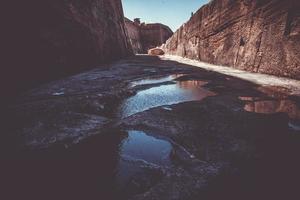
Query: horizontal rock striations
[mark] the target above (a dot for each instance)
(259, 36)
(48, 39)
(146, 36)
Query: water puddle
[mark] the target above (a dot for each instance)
(141, 157)
(272, 106)
(180, 91)
(141, 146)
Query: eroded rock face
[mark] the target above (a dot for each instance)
(146, 36)
(153, 35)
(48, 39)
(259, 36)
(134, 35)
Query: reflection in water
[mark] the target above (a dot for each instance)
(183, 91)
(191, 84)
(94, 169)
(272, 106)
(139, 145)
(141, 157)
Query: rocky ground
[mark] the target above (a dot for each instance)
(62, 140)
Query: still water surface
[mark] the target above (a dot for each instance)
(180, 91)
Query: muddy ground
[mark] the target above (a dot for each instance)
(231, 140)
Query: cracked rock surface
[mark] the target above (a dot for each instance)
(227, 138)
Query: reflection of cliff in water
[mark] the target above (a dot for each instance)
(182, 91)
(272, 106)
(191, 84)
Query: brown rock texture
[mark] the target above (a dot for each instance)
(146, 36)
(52, 38)
(134, 35)
(259, 36)
(156, 52)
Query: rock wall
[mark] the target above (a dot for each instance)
(154, 35)
(47, 39)
(254, 35)
(146, 36)
(134, 35)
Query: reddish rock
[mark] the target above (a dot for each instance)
(259, 36)
(48, 39)
(146, 36)
(156, 52)
(154, 35)
(134, 35)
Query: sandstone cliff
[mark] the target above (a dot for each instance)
(259, 36)
(154, 35)
(51, 38)
(146, 36)
(134, 35)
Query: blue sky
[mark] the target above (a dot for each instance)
(169, 12)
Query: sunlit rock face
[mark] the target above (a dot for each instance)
(51, 38)
(156, 52)
(259, 36)
(146, 36)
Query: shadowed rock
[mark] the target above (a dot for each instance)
(48, 39)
